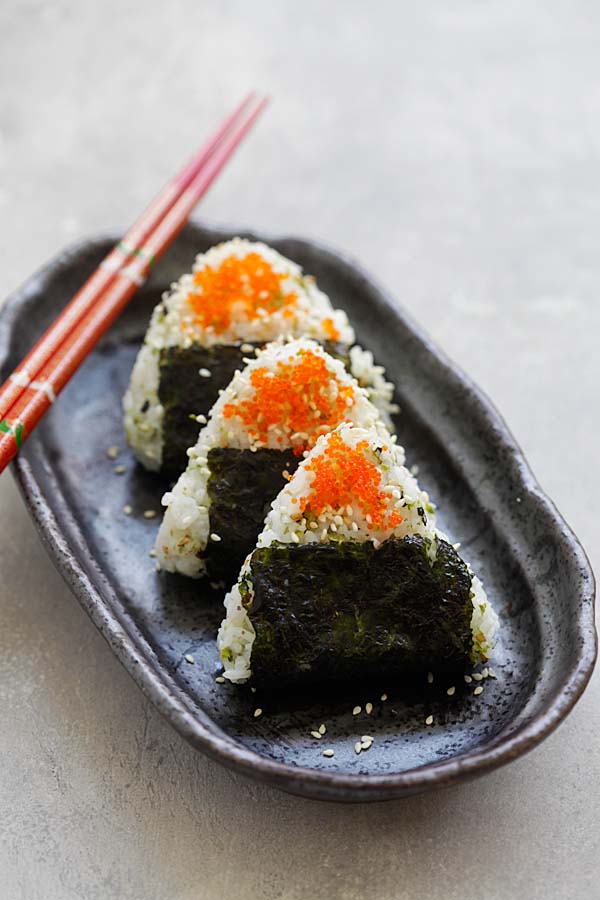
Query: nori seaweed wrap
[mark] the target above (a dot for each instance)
(241, 487)
(338, 609)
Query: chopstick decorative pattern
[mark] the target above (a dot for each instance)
(38, 380)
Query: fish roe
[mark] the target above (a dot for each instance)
(300, 397)
(245, 288)
(331, 331)
(343, 476)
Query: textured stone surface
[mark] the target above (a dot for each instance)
(470, 132)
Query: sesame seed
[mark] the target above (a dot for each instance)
(246, 348)
(119, 470)
(257, 712)
(368, 708)
(201, 420)
(429, 720)
(357, 747)
(367, 737)
(328, 752)
(112, 452)
(356, 711)
(189, 659)
(322, 729)
(219, 679)
(205, 373)
(253, 689)
(152, 553)
(468, 679)
(316, 735)
(215, 537)
(383, 698)
(451, 691)
(365, 745)
(430, 678)
(485, 672)
(149, 513)
(127, 510)
(491, 672)
(477, 676)
(478, 690)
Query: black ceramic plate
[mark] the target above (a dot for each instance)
(535, 571)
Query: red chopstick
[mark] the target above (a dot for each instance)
(105, 274)
(51, 377)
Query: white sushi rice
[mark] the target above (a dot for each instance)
(174, 323)
(284, 524)
(372, 378)
(185, 529)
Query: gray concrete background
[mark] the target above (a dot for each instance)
(454, 149)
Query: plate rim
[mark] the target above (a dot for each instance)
(190, 721)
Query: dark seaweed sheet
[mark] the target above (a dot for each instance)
(241, 486)
(184, 393)
(345, 610)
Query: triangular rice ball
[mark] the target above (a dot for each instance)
(351, 578)
(273, 412)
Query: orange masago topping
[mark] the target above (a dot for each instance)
(301, 398)
(330, 330)
(344, 476)
(245, 288)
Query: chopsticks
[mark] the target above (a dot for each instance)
(37, 381)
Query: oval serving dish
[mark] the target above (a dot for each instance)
(533, 567)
